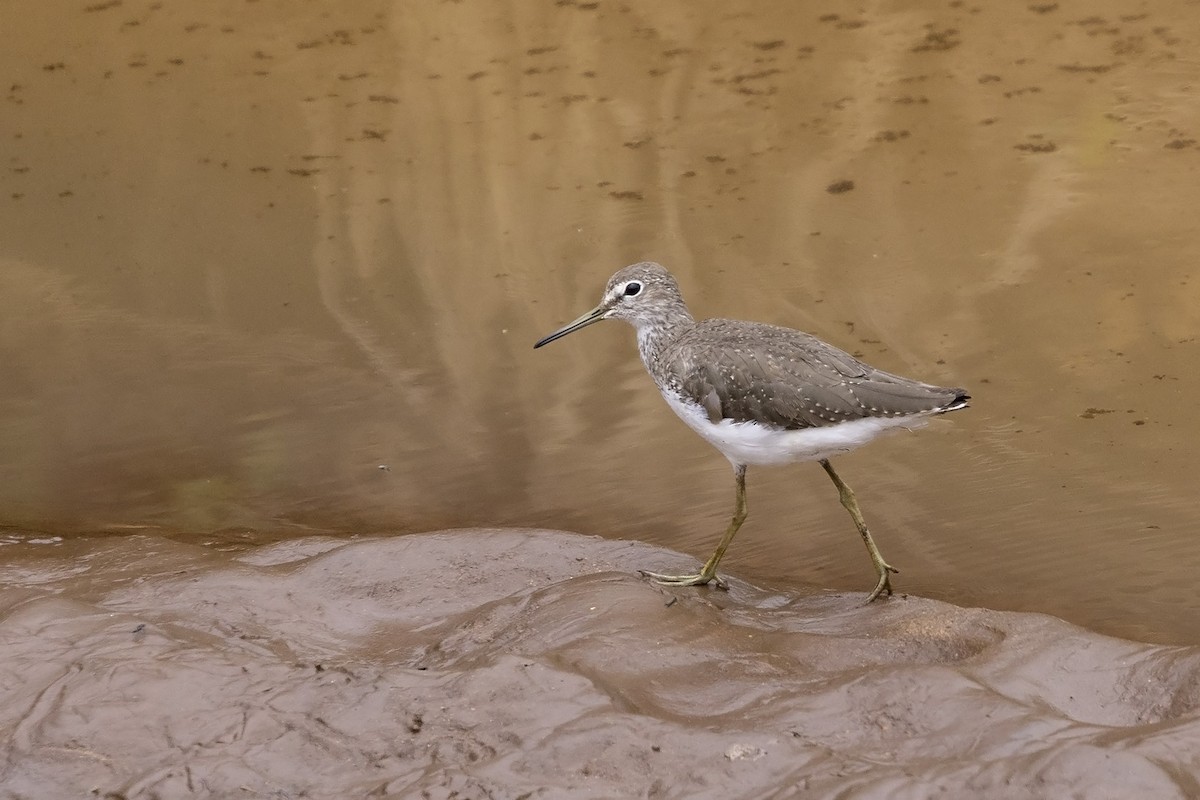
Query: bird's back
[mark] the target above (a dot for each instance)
(786, 379)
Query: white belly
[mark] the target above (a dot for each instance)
(752, 443)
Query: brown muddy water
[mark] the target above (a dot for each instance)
(270, 276)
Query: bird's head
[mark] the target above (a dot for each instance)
(641, 294)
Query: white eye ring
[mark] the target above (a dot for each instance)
(633, 289)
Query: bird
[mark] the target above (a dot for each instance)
(763, 395)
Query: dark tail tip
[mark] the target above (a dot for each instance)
(960, 400)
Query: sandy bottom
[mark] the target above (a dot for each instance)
(524, 663)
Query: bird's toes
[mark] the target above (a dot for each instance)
(682, 580)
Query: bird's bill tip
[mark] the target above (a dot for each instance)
(595, 315)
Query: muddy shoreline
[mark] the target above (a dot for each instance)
(509, 663)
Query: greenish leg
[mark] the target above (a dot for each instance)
(882, 568)
(709, 572)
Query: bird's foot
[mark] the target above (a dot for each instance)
(884, 584)
(684, 580)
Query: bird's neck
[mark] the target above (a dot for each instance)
(655, 336)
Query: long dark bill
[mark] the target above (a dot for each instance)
(595, 315)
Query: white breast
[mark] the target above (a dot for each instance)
(752, 443)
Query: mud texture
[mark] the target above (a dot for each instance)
(506, 664)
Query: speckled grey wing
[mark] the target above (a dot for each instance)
(789, 379)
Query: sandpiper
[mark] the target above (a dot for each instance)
(762, 394)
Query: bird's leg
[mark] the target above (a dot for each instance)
(882, 568)
(709, 572)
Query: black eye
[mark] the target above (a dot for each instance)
(633, 289)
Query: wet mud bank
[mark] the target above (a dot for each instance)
(532, 663)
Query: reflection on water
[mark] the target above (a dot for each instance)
(266, 269)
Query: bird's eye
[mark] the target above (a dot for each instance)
(633, 289)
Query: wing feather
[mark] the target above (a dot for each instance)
(789, 379)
